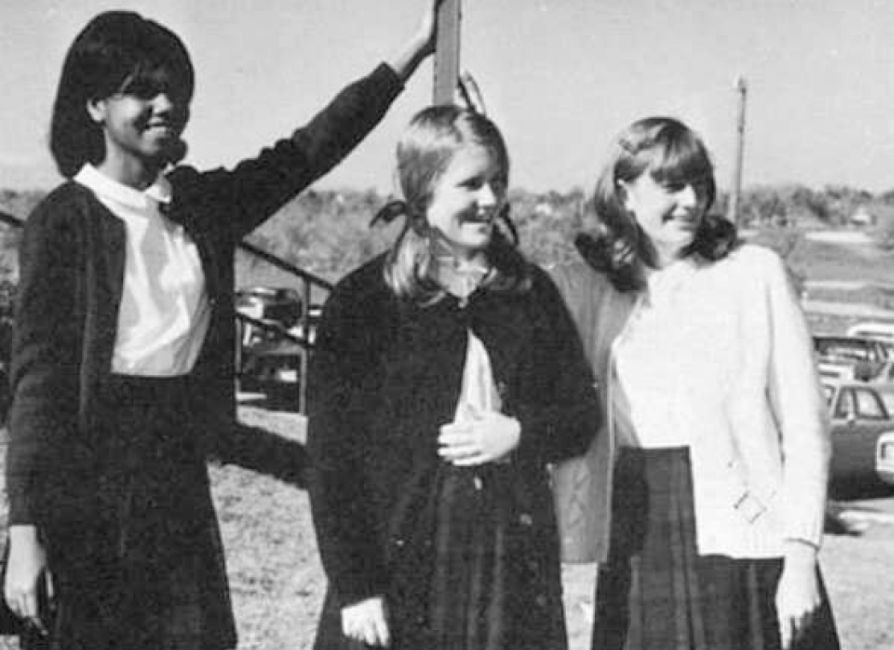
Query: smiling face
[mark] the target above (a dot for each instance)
(669, 212)
(466, 200)
(140, 129)
(141, 125)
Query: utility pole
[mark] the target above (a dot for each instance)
(447, 51)
(736, 191)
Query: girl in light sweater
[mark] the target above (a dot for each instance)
(703, 499)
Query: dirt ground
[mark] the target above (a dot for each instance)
(278, 585)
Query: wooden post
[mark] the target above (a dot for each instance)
(447, 52)
(736, 191)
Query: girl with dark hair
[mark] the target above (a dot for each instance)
(703, 497)
(446, 375)
(122, 367)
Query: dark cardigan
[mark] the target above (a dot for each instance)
(72, 271)
(386, 373)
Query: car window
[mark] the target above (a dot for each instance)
(836, 349)
(845, 404)
(888, 400)
(869, 406)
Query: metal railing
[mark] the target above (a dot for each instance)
(304, 339)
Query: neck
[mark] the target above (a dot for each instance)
(130, 171)
(666, 254)
(444, 250)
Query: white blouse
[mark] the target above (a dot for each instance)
(164, 313)
(647, 362)
(478, 393)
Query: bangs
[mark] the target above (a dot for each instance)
(682, 160)
(149, 78)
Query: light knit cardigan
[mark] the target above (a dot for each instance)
(748, 390)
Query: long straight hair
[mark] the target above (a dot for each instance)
(424, 153)
(116, 52)
(671, 153)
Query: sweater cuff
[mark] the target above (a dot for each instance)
(385, 76)
(809, 531)
(21, 511)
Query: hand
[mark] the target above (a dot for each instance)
(27, 566)
(478, 438)
(798, 594)
(367, 622)
(420, 45)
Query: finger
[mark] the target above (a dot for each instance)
(383, 638)
(28, 604)
(470, 461)
(455, 427)
(12, 602)
(51, 589)
(454, 438)
(369, 634)
(37, 623)
(460, 448)
(785, 632)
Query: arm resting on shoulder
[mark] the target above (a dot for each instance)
(565, 419)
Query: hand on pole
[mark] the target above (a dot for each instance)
(420, 45)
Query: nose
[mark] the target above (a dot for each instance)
(162, 103)
(687, 197)
(486, 195)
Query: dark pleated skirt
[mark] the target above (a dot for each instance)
(477, 570)
(496, 582)
(147, 569)
(656, 593)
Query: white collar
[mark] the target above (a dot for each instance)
(107, 188)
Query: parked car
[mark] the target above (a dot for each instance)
(878, 330)
(267, 361)
(858, 415)
(849, 357)
(884, 457)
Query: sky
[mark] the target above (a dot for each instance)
(560, 77)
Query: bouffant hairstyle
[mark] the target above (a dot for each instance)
(117, 52)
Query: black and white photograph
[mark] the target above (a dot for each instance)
(446, 325)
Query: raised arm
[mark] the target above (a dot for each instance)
(405, 61)
(257, 187)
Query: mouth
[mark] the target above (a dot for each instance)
(687, 221)
(163, 128)
(479, 218)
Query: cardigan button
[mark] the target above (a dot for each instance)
(525, 519)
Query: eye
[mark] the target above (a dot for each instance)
(473, 183)
(142, 88)
(673, 186)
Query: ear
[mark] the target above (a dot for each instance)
(96, 109)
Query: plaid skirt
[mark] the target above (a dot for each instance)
(656, 593)
(145, 569)
(479, 570)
